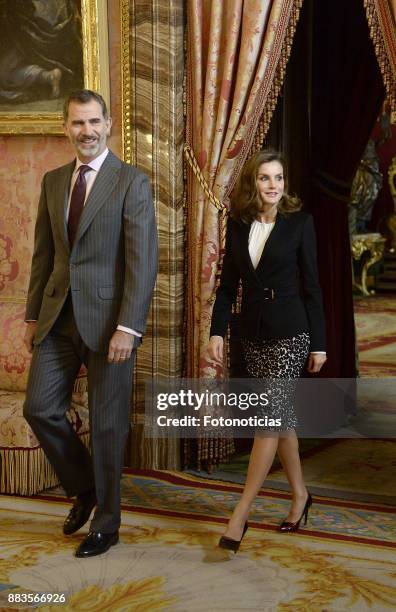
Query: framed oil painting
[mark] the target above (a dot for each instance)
(47, 49)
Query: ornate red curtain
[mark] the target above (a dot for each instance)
(347, 93)
(381, 16)
(237, 52)
(236, 56)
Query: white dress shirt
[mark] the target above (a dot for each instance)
(258, 236)
(90, 176)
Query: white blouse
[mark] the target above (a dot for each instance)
(258, 236)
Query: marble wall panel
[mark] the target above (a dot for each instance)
(153, 133)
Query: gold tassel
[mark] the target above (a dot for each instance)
(28, 471)
(376, 24)
(265, 119)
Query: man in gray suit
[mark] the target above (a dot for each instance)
(93, 272)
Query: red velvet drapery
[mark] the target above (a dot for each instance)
(347, 92)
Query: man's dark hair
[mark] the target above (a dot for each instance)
(83, 96)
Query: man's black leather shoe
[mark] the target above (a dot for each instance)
(96, 543)
(79, 514)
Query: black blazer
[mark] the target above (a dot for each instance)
(288, 268)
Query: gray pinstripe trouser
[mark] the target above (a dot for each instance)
(55, 364)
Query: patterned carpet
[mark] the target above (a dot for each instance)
(168, 560)
(167, 557)
(361, 470)
(375, 320)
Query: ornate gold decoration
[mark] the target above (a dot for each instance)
(96, 46)
(26, 471)
(392, 178)
(11, 299)
(324, 575)
(375, 245)
(126, 84)
(391, 218)
(381, 24)
(147, 594)
(323, 581)
(188, 152)
(96, 74)
(223, 210)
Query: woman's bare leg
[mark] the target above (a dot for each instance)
(261, 459)
(290, 459)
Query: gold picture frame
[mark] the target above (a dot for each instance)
(95, 66)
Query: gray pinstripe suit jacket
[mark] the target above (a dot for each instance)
(112, 266)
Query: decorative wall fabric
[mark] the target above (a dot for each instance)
(236, 53)
(24, 160)
(149, 107)
(381, 16)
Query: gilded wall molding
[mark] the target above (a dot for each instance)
(95, 46)
(126, 82)
(381, 22)
(94, 24)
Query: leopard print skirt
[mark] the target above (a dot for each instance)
(279, 362)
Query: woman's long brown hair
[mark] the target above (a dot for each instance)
(245, 200)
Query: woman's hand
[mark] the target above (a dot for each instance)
(215, 349)
(315, 362)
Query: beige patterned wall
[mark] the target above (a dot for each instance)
(23, 161)
(146, 74)
(153, 64)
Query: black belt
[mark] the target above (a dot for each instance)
(270, 294)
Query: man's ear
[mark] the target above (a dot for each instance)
(109, 124)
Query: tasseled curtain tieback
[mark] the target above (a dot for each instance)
(220, 207)
(188, 152)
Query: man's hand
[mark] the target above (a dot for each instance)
(30, 332)
(120, 347)
(215, 349)
(315, 362)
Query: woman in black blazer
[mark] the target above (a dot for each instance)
(271, 247)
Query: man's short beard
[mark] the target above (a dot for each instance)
(92, 146)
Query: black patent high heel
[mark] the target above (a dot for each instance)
(230, 544)
(287, 527)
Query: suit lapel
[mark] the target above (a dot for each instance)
(272, 238)
(62, 199)
(245, 229)
(103, 186)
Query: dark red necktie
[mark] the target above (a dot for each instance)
(77, 203)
